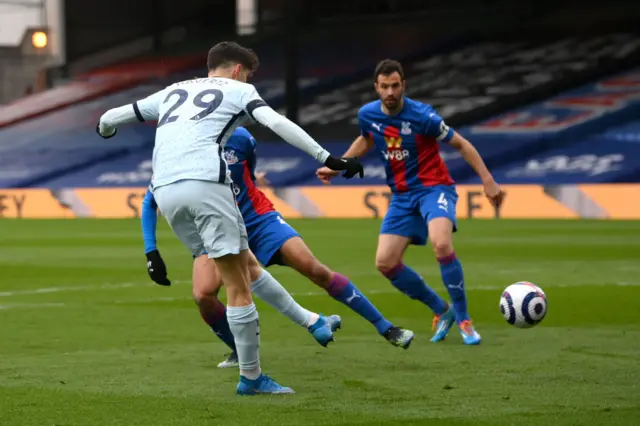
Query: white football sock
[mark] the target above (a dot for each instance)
(243, 321)
(271, 291)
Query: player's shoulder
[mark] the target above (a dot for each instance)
(185, 84)
(192, 85)
(219, 82)
(236, 85)
(242, 133)
(241, 140)
(419, 112)
(418, 108)
(369, 109)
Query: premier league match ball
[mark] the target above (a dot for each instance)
(523, 304)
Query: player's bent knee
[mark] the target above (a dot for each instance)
(206, 279)
(201, 295)
(389, 254)
(234, 272)
(255, 270)
(386, 265)
(442, 248)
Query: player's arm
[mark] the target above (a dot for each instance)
(142, 110)
(149, 216)
(294, 135)
(444, 133)
(251, 147)
(155, 265)
(358, 148)
(471, 156)
(260, 178)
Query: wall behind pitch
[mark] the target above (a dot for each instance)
(614, 201)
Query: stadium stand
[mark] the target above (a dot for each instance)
(594, 160)
(484, 78)
(565, 128)
(551, 141)
(584, 128)
(61, 142)
(59, 137)
(92, 85)
(320, 65)
(59, 149)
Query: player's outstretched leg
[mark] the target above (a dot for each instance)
(271, 291)
(389, 255)
(205, 217)
(297, 255)
(244, 324)
(441, 236)
(206, 285)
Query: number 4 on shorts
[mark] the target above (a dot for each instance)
(442, 200)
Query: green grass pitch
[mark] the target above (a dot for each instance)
(87, 339)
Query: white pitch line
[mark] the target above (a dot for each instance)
(32, 306)
(47, 290)
(183, 298)
(367, 292)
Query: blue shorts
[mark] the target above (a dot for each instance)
(267, 236)
(409, 212)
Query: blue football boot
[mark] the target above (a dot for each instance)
(323, 329)
(262, 385)
(469, 334)
(442, 324)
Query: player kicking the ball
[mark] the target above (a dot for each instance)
(191, 181)
(274, 242)
(423, 203)
(206, 284)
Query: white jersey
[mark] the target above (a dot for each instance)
(195, 119)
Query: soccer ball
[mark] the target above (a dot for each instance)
(523, 304)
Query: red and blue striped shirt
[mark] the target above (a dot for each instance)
(408, 144)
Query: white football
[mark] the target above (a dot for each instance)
(523, 304)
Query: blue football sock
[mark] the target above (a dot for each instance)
(453, 279)
(410, 283)
(345, 292)
(214, 314)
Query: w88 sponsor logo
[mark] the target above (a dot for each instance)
(394, 149)
(395, 154)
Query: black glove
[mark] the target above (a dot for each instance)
(351, 166)
(101, 135)
(157, 269)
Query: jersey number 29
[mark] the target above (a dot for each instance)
(207, 106)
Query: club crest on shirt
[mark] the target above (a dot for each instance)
(230, 156)
(406, 128)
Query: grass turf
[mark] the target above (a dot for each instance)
(87, 339)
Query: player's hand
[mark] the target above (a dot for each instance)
(325, 175)
(105, 131)
(494, 193)
(157, 269)
(261, 179)
(351, 166)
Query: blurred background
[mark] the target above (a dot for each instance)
(548, 91)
